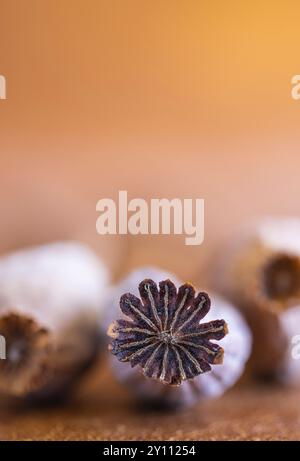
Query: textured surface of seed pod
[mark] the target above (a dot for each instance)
(213, 383)
(129, 284)
(50, 299)
(260, 273)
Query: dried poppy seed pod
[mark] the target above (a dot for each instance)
(50, 298)
(177, 351)
(261, 274)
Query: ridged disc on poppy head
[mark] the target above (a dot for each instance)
(163, 334)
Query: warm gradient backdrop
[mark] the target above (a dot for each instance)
(162, 98)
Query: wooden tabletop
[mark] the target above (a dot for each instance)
(102, 410)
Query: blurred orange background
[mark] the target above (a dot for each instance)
(187, 99)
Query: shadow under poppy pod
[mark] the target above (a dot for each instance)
(50, 297)
(172, 349)
(260, 273)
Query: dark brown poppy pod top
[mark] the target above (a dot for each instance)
(163, 338)
(260, 273)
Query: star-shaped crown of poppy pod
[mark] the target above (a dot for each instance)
(164, 335)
